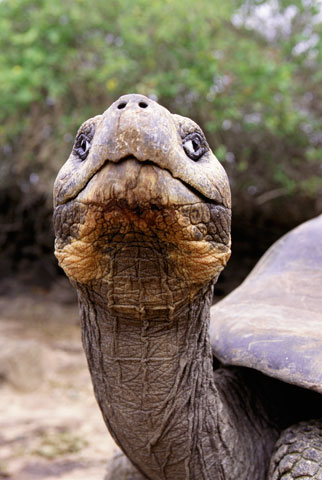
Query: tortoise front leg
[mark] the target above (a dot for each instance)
(298, 453)
(120, 468)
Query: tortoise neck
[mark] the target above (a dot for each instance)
(153, 379)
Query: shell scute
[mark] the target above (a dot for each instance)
(273, 321)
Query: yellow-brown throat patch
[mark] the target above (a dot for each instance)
(193, 240)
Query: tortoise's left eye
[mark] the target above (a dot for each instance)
(194, 146)
(83, 145)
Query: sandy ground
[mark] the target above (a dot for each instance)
(50, 424)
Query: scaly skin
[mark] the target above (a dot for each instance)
(143, 232)
(298, 453)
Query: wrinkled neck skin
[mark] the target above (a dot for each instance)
(146, 340)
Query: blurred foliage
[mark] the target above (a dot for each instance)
(248, 71)
(54, 444)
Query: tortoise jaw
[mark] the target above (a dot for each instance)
(113, 173)
(62, 197)
(138, 184)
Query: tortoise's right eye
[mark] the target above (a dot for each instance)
(83, 145)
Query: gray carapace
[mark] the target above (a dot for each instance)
(273, 321)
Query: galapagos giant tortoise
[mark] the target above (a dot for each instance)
(142, 222)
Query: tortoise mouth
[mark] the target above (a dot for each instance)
(123, 179)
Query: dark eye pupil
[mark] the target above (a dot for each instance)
(196, 145)
(193, 146)
(83, 146)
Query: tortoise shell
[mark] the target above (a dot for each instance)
(273, 321)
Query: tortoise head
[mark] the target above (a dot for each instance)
(139, 177)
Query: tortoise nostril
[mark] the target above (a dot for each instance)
(121, 105)
(143, 105)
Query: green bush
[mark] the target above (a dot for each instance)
(255, 90)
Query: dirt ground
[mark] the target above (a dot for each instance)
(50, 424)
